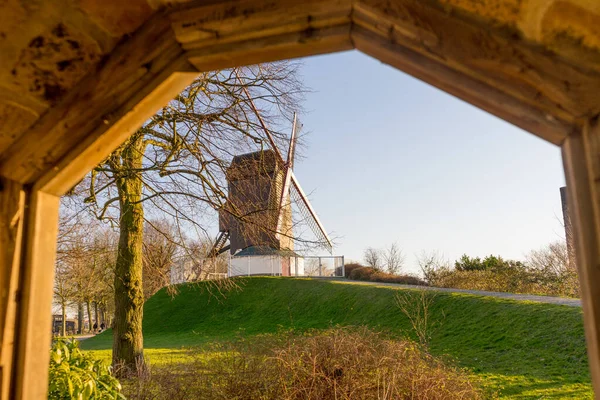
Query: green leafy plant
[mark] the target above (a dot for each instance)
(75, 375)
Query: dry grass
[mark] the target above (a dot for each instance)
(340, 364)
(372, 275)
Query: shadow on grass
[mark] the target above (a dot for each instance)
(520, 348)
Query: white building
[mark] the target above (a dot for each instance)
(263, 260)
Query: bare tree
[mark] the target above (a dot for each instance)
(431, 263)
(175, 165)
(159, 253)
(394, 259)
(417, 305)
(373, 258)
(84, 265)
(553, 258)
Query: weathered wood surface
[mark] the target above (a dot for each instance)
(480, 94)
(34, 311)
(107, 94)
(247, 32)
(522, 83)
(581, 157)
(12, 198)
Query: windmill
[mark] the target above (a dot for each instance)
(257, 217)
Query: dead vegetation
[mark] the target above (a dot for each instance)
(339, 363)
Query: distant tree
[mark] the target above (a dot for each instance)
(373, 258)
(431, 264)
(159, 252)
(491, 262)
(553, 258)
(394, 259)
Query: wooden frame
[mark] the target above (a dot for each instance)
(553, 96)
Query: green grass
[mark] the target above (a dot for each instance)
(523, 350)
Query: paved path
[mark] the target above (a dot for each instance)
(80, 338)
(518, 297)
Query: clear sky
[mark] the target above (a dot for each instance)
(392, 159)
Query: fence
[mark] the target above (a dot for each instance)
(275, 265)
(324, 266)
(199, 269)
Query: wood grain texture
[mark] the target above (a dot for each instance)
(529, 74)
(125, 78)
(200, 24)
(272, 48)
(476, 92)
(12, 199)
(34, 310)
(236, 33)
(581, 158)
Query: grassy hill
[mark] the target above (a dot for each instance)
(523, 350)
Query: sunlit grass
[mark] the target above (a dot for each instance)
(521, 350)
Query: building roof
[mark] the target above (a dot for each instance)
(266, 251)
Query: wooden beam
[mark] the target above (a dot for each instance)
(95, 147)
(83, 120)
(581, 157)
(33, 317)
(200, 25)
(463, 86)
(236, 33)
(536, 83)
(288, 46)
(12, 198)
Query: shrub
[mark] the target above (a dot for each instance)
(401, 279)
(489, 263)
(75, 375)
(340, 363)
(511, 277)
(362, 274)
(372, 275)
(348, 268)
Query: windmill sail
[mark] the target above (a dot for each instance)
(284, 196)
(308, 213)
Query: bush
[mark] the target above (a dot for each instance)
(340, 363)
(489, 263)
(524, 280)
(74, 375)
(372, 275)
(362, 274)
(401, 279)
(546, 272)
(348, 268)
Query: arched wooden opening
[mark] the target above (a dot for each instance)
(534, 63)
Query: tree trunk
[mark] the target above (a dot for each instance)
(63, 306)
(80, 318)
(128, 347)
(89, 313)
(96, 313)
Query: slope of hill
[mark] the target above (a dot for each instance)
(525, 350)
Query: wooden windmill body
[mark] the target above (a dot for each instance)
(253, 208)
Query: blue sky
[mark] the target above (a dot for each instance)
(392, 159)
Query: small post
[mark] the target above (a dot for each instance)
(228, 265)
(343, 268)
